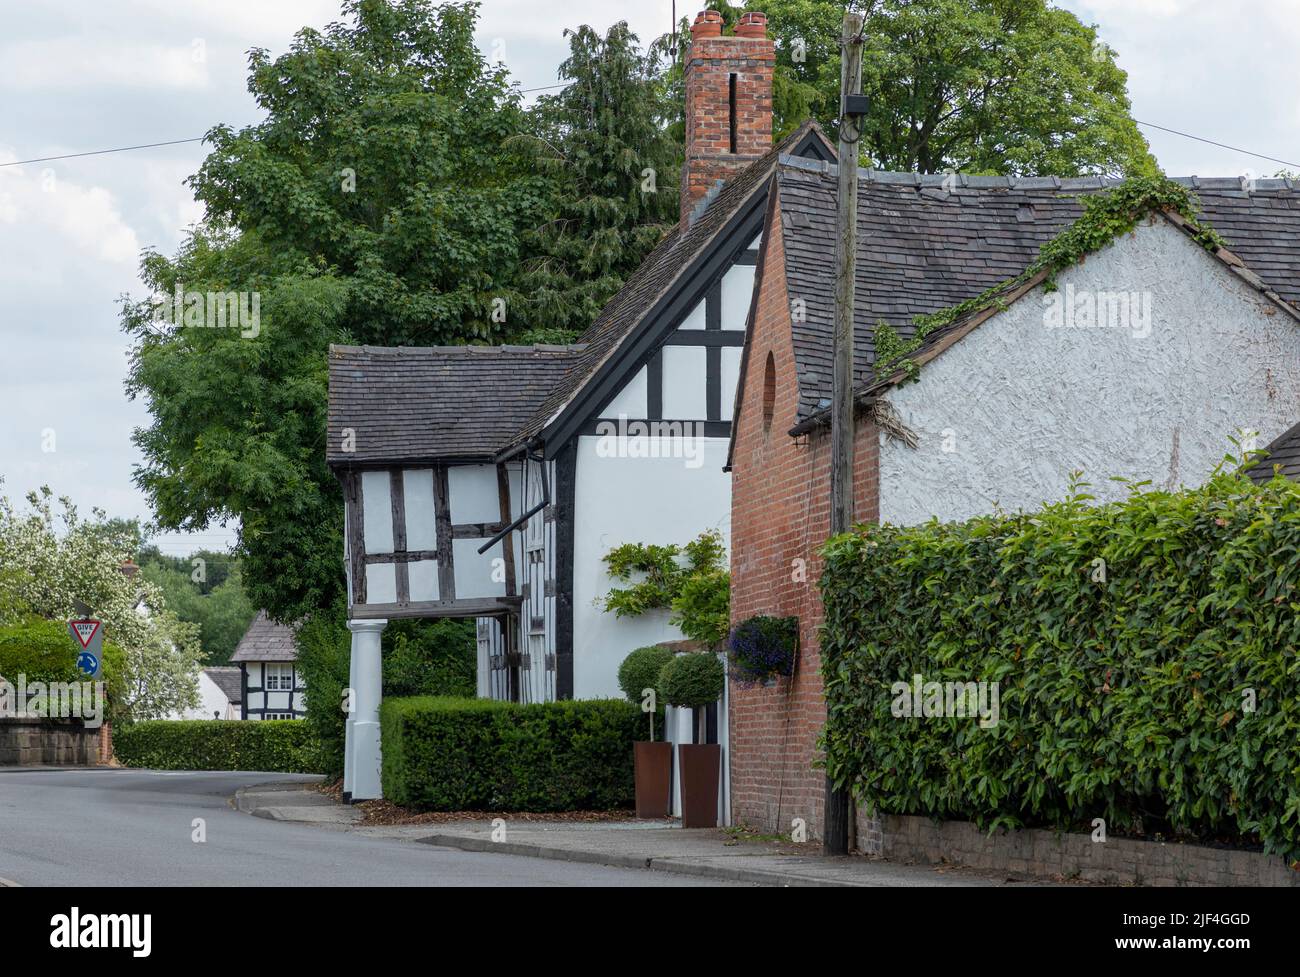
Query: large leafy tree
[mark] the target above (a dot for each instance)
(379, 202)
(385, 159)
(978, 86)
(613, 172)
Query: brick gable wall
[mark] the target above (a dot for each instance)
(780, 516)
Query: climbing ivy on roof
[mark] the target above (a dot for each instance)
(1106, 215)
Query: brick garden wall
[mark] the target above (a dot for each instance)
(780, 516)
(1040, 853)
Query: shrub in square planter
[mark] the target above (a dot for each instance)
(652, 762)
(695, 681)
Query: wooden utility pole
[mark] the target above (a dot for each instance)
(838, 817)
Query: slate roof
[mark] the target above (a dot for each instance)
(656, 276)
(923, 247)
(417, 404)
(227, 680)
(266, 641)
(1283, 452)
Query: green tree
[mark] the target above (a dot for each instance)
(222, 612)
(377, 203)
(979, 86)
(614, 175)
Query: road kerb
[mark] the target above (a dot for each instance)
(668, 864)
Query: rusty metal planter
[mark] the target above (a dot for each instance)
(700, 765)
(653, 765)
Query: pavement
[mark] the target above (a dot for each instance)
(661, 847)
(104, 826)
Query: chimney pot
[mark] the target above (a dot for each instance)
(752, 24)
(708, 23)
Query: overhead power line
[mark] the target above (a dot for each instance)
(178, 142)
(101, 152)
(544, 88)
(1235, 149)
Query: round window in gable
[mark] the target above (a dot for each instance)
(769, 391)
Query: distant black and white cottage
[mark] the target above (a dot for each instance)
(490, 482)
(270, 685)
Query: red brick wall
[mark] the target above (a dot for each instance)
(710, 62)
(780, 516)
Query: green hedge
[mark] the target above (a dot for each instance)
(41, 650)
(1123, 685)
(452, 754)
(280, 745)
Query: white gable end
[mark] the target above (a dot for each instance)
(1045, 387)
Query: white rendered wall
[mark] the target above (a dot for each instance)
(211, 700)
(1021, 405)
(634, 500)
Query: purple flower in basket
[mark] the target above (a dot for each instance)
(763, 647)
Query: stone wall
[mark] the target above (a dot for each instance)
(1045, 854)
(50, 742)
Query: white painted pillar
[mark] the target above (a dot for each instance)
(680, 728)
(362, 750)
(349, 738)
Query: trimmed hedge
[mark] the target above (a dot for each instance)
(41, 650)
(278, 745)
(452, 754)
(1125, 685)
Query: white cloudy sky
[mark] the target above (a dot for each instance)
(92, 74)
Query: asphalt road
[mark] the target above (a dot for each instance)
(112, 827)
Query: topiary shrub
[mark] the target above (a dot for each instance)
(763, 647)
(640, 671)
(692, 681)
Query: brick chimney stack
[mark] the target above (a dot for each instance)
(728, 102)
